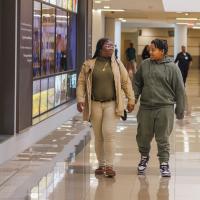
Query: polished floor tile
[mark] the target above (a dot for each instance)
(74, 179)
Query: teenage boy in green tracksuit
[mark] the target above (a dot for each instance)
(160, 85)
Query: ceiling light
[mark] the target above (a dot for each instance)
(185, 23)
(113, 10)
(186, 14)
(178, 6)
(122, 19)
(97, 1)
(106, 7)
(186, 18)
(196, 27)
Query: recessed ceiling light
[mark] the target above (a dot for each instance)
(196, 27)
(186, 18)
(186, 14)
(106, 7)
(185, 23)
(113, 10)
(97, 1)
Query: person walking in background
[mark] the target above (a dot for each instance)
(131, 58)
(145, 52)
(100, 98)
(184, 60)
(159, 83)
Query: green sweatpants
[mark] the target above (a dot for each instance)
(158, 122)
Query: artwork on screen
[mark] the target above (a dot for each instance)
(58, 90)
(53, 2)
(70, 5)
(61, 41)
(48, 40)
(71, 86)
(72, 45)
(36, 98)
(75, 6)
(59, 3)
(73, 81)
(36, 39)
(51, 93)
(64, 88)
(64, 4)
(43, 98)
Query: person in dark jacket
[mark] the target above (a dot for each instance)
(131, 59)
(184, 60)
(145, 52)
(159, 84)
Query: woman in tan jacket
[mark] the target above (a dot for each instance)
(100, 98)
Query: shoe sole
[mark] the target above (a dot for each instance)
(166, 175)
(141, 173)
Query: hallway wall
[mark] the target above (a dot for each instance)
(148, 34)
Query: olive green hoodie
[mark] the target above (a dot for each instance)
(160, 84)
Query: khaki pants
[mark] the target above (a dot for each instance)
(158, 122)
(104, 122)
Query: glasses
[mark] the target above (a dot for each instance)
(108, 46)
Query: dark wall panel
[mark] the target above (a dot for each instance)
(24, 82)
(84, 39)
(7, 66)
(1, 15)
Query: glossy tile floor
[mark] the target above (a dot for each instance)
(75, 180)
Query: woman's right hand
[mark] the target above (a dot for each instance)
(80, 106)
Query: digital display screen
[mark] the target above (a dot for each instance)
(64, 4)
(36, 38)
(36, 98)
(58, 80)
(51, 93)
(48, 40)
(43, 101)
(64, 88)
(73, 81)
(70, 5)
(72, 43)
(53, 2)
(60, 3)
(71, 89)
(61, 41)
(75, 6)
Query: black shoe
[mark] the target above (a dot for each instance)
(164, 170)
(142, 165)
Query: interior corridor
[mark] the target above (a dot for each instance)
(78, 182)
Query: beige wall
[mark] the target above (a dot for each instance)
(148, 34)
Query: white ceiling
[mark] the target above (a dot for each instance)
(150, 13)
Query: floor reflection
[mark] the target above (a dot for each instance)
(104, 189)
(162, 192)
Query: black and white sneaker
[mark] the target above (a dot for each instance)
(164, 170)
(142, 165)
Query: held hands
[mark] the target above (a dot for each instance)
(130, 107)
(80, 106)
